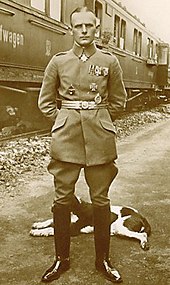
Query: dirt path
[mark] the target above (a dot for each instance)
(143, 183)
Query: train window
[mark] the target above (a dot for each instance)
(135, 41)
(139, 44)
(122, 34)
(38, 4)
(55, 9)
(150, 48)
(116, 30)
(109, 10)
(156, 53)
(52, 8)
(98, 13)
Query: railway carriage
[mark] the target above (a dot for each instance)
(142, 55)
(32, 31)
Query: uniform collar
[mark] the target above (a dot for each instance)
(88, 51)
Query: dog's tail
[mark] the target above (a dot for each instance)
(146, 226)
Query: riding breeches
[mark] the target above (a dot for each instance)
(98, 179)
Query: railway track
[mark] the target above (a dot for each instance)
(44, 132)
(165, 108)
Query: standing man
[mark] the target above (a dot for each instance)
(88, 84)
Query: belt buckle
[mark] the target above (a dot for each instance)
(85, 105)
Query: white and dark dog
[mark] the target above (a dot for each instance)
(125, 221)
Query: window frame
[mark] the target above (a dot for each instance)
(36, 7)
(122, 40)
(116, 30)
(137, 42)
(99, 16)
(48, 7)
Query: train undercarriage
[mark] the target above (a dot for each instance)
(140, 99)
(19, 112)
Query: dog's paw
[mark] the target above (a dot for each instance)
(42, 225)
(144, 241)
(37, 225)
(42, 232)
(145, 245)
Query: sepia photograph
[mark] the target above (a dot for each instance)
(84, 142)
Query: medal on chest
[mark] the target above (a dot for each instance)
(98, 99)
(93, 87)
(98, 70)
(71, 90)
(83, 57)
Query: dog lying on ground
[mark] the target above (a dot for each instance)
(125, 221)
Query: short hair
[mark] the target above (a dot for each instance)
(81, 9)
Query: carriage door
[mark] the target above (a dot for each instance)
(163, 58)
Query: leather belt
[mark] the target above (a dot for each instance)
(85, 105)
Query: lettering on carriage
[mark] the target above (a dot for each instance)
(13, 38)
(48, 47)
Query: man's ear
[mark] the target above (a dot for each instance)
(97, 33)
(97, 28)
(97, 25)
(71, 31)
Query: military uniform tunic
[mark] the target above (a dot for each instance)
(83, 136)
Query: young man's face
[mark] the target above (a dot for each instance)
(83, 28)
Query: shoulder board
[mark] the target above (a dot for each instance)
(61, 53)
(106, 52)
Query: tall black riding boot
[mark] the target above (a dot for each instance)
(61, 216)
(102, 243)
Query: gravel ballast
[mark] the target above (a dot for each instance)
(32, 154)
